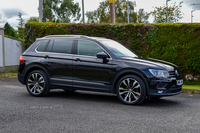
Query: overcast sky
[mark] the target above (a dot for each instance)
(9, 9)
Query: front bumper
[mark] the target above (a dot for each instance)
(164, 87)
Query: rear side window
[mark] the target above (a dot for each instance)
(42, 46)
(62, 46)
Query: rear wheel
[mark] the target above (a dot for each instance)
(37, 83)
(131, 90)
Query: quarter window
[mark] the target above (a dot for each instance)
(88, 48)
(62, 46)
(42, 46)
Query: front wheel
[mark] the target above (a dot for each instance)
(37, 83)
(131, 90)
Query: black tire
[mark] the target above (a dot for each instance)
(131, 90)
(69, 90)
(37, 83)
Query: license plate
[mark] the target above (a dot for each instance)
(179, 82)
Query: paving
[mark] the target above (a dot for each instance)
(94, 112)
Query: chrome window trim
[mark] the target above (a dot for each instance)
(73, 54)
(52, 52)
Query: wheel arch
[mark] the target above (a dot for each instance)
(129, 72)
(33, 68)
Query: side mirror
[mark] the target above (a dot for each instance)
(102, 55)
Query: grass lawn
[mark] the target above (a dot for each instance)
(11, 74)
(191, 87)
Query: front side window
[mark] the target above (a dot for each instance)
(88, 48)
(62, 46)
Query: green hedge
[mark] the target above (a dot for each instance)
(177, 43)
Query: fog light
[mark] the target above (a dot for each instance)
(160, 91)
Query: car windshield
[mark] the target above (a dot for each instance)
(117, 49)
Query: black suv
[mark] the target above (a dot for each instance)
(75, 62)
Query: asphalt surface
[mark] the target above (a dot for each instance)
(93, 112)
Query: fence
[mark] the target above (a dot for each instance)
(10, 51)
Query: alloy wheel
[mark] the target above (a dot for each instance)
(129, 90)
(36, 83)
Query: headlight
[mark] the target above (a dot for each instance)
(159, 73)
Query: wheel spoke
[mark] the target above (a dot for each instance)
(29, 80)
(133, 84)
(126, 96)
(130, 97)
(137, 93)
(125, 84)
(121, 93)
(32, 88)
(40, 79)
(31, 84)
(134, 96)
(136, 86)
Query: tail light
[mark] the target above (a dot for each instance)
(21, 59)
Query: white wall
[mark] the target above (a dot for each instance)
(1, 51)
(13, 50)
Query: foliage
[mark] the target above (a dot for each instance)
(102, 14)
(177, 43)
(174, 13)
(143, 16)
(20, 27)
(64, 11)
(9, 31)
(33, 19)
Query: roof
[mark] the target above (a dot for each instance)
(71, 36)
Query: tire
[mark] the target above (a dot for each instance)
(69, 90)
(131, 90)
(37, 83)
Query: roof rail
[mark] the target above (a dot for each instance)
(49, 36)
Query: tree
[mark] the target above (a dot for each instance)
(102, 14)
(143, 16)
(174, 13)
(9, 31)
(20, 27)
(64, 11)
(33, 19)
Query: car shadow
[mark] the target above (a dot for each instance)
(85, 96)
(163, 102)
(107, 98)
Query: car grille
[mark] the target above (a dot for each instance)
(174, 74)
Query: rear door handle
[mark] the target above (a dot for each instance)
(77, 59)
(46, 56)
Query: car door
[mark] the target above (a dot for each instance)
(58, 61)
(89, 71)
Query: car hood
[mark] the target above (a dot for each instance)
(154, 63)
